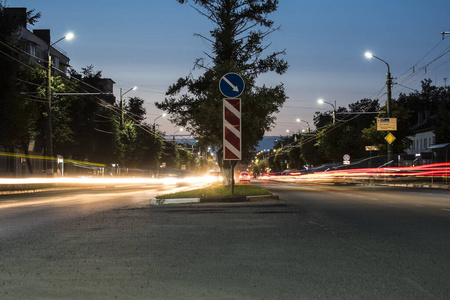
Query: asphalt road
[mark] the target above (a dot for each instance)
(23, 212)
(322, 242)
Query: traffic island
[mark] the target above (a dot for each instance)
(217, 194)
(235, 199)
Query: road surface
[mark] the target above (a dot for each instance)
(322, 242)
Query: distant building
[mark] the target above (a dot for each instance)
(422, 139)
(423, 136)
(107, 87)
(37, 43)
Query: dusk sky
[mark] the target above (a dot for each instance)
(151, 44)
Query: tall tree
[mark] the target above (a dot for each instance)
(149, 144)
(442, 126)
(89, 120)
(344, 137)
(135, 108)
(237, 45)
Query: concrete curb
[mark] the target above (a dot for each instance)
(235, 199)
(174, 201)
(423, 185)
(413, 185)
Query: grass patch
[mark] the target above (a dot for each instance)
(216, 191)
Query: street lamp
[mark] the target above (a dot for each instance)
(181, 129)
(154, 121)
(320, 101)
(300, 120)
(122, 102)
(388, 93)
(163, 115)
(49, 130)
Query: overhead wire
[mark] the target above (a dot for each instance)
(378, 94)
(100, 101)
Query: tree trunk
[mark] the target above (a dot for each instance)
(10, 163)
(27, 158)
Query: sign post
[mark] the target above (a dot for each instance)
(232, 129)
(231, 86)
(346, 159)
(388, 124)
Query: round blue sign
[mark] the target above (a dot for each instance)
(231, 85)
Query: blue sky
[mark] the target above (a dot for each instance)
(150, 44)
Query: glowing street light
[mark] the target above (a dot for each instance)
(69, 36)
(163, 115)
(154, 122)
(321, 101)
(179, 130)
(300, 120)
(49, 129)
(388, 95)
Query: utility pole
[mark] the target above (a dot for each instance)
(388, 100)
(122, 104)
(388, 107)
(121, 109)
(49, 131)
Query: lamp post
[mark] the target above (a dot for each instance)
(181, 129)
(49, 130)
(122, 102)
(321, 101)
(300, 120)
(388, 95)
(293, 134)
(154, 121)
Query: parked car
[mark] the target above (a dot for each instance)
(244, 176)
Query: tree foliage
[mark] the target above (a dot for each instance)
(15, 100)
(237, 43)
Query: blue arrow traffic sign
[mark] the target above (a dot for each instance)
(231, 85)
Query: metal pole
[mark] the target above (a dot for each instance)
(388, 108)
(49, 142)
(334, 113)
(121, 108)
(232, 177)
(388, 102)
